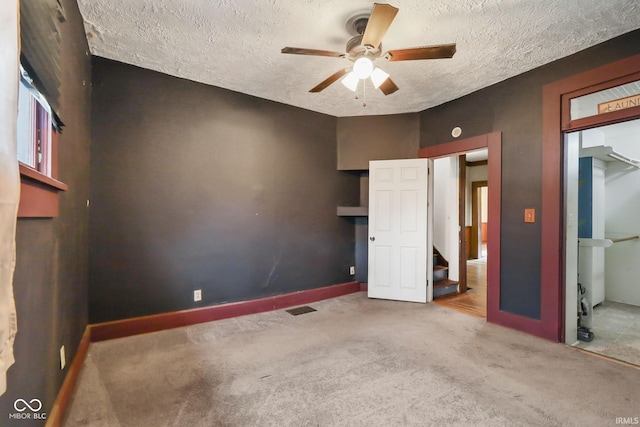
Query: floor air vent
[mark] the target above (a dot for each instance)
(301, 310)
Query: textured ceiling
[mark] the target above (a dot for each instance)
(235, 44)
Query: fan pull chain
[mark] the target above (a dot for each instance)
(364, 93)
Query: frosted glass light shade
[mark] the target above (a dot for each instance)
(363, 67)
(378, 77)
(351, 81)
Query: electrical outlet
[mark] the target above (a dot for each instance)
(63, 358)
(352, 270)
(197, 295)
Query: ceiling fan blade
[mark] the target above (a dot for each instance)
(381, 17)
(316, 52)
(425, 52)
(329, 80)
(388, 87)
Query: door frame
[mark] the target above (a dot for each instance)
(556, 121)
(493, 142)
(462, 234)
(476, 218)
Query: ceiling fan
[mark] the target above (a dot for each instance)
(365, 47)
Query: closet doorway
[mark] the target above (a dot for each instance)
(603, 238)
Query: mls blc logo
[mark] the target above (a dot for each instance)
(22, 405)
(27, 410)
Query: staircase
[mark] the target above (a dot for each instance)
(442, 286)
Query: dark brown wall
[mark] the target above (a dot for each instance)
(197, 187)
(51, 273)
(361, 139)
(514, 107)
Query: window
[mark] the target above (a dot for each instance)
(34, 128)
(40, 108)
(607, 100)
(36, 148)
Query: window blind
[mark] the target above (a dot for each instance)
(40, 40)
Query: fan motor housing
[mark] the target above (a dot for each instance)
(356, 25)
(355, 48)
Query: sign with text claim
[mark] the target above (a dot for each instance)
(619, 104)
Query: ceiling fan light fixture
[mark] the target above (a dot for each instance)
(363, 67)
(368, 28)
(378, 77)
(351, 81)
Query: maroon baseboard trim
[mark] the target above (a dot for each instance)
(56, 415)
(364, 287)
(159, 322)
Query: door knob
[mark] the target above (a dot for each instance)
(372, 238)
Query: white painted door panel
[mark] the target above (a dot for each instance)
(398, 252)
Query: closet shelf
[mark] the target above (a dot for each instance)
(603, 243)
(606, 153)
(594, 243)
(353, 211)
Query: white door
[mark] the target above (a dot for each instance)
(399, 255)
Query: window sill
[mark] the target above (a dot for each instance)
(38, 194)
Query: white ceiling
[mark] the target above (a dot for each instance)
(235, 44)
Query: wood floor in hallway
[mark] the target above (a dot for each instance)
(474, 301)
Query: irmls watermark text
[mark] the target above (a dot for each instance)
(628, 421)
(27, 410)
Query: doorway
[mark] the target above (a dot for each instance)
(492, 142)
(479, 220)
(558, 316)
(603, 239)
(469, 231)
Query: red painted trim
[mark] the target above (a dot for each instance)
(34, 175)
(56, 415)
(520, 323)
(551, 216)
(37, 200)
(54, 154)
(460, 147)
(602, 119)
(159, 322)
(364, 287)
(554, 118)
(605, 83)
(494, 315)
(38, 194)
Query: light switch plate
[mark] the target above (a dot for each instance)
(529, 215)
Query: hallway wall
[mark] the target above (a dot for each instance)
(445, 212)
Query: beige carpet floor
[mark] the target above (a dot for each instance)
(353, 362)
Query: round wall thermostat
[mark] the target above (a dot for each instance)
(456, 132)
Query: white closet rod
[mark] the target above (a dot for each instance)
(624, 239)
(624, 159)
